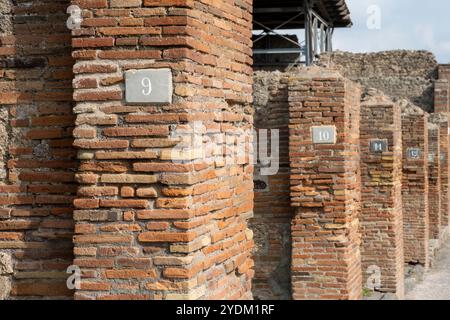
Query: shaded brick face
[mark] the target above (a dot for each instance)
(441, 95)
(381, 208)
(37, 184)
(152, 221)
(415, 188)
(444, 71)
(325, 187)
(273, 212)
(434, 180)
(444, 170)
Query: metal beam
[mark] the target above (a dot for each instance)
(315, 14)
(308, 32)
(279, 51)
(277, 10)
(318, 31)
(269, 30)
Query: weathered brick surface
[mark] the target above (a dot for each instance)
(434, 180)
(381, 201)
(325, 187)
(273, 212)
(400, 74)
(441, 95)
(152, 223)
(415, 184)
(444, 71)
(38, 162)
(441, 119)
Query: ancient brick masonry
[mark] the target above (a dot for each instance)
(148, 227)
(273, 210)
(38, 162)
(444, 74)
(415, 184)
(325, 192)
(442, 106)
(381, 220)
(434, 180)
(441, 95)
(441, 119)
(400, 74)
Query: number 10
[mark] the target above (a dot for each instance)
(324, 136)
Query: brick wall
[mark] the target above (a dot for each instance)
(146, 227)
(273, 211)
(415, 184)
(442, 120)
(38, 162)
(398, 73)
(381, 201)
(443, 101)
(325, 187)
(434, 180)
(441, 95)
(444, 71)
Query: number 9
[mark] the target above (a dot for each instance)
(147, 84)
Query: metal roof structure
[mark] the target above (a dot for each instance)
(317, 17)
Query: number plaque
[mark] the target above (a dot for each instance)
(414, 153)
(378, 146)
(324, 135)
(148, 86)
(431, 157)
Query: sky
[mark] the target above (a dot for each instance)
(397, 24)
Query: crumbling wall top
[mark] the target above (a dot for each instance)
(375, 97)
(385, 63)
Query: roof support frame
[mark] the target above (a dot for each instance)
(318, 30)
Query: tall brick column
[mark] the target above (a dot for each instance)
(152, 223)
(415, 184)
(441, 95)
(442, 106)
(434, 180)
(325, 186)
(381, 200)
(442, 120)
(444, 72)
(38, 162)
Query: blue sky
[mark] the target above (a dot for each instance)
(404, 24)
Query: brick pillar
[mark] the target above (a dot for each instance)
(273, 210)
(444, 71)
(381, 200)
(156, 218)
(434, 180)
(415, 184)
(442, 120)
(441, 96)
(325, 186)
(37, 185)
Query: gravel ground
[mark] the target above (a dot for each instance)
(436, 282)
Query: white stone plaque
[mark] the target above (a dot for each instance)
(324, 135)
(378, 146)
(431, 157)
(148, 86)
(413, 153)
